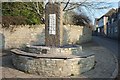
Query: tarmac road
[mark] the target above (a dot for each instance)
(110, 44)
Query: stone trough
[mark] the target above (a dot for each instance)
(46, 62)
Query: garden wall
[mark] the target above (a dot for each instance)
(35, 35)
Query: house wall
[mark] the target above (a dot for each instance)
(100, 28)
(112, 30)
(108, 25)
(105, 25)
(101, 22)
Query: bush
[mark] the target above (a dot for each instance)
(81, 20)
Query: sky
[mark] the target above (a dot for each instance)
(96, 13)
(102, 12)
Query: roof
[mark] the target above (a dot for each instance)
(109, 13)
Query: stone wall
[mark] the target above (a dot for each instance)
(24, 35)
(47, 67)
(36, 35)
(76, 34)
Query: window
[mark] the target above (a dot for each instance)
(115, 29)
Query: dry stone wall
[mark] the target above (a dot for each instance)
(36, 35)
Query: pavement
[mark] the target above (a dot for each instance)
(106, 65)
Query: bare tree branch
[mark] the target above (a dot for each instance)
(66, 5)
(92, 5)
(72, 5)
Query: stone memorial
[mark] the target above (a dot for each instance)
(53, 59)
(53, 24)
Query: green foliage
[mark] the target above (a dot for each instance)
(27, 10)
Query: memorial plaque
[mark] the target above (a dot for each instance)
(53, 24)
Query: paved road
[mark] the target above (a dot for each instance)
(110, 44)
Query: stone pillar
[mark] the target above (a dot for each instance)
(53, 24)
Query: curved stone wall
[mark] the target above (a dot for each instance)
(68, 50)
(51, 67)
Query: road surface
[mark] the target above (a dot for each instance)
(110, 44)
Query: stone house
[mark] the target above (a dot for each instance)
(112, 30)
(102, 24)
(107, 24)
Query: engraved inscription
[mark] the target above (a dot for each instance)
(52, 24)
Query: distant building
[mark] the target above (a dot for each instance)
(102, 22)
(107, 24)
(96, 23)
(112, 30)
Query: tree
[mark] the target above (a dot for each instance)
(28, 12)
(82, 20)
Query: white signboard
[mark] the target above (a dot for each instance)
(52, 24)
